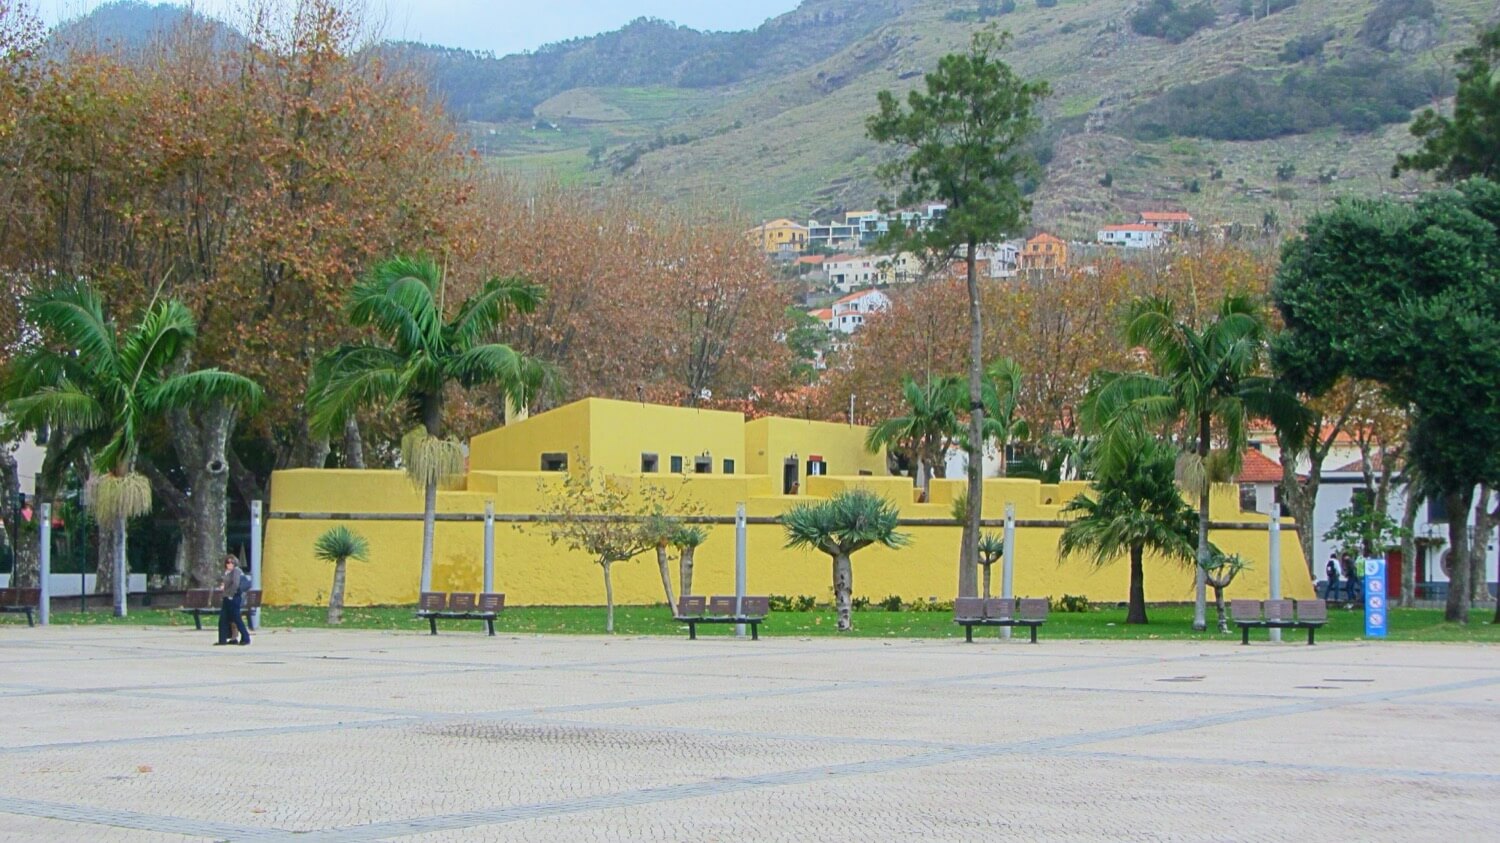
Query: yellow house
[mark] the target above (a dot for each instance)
(719, 460)
(778, 235)
(1044, 251)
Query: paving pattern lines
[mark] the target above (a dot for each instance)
(602, 721)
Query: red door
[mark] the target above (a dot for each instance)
(1393, 575)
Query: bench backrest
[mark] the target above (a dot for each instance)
(197, 598)
(433, 601)
(7, 597)
(20, 596)
(692, 606)
(1312, 610)
(252, 600)
(1000, 608)
(968, 608)
(492, 601)
(721, 604)
(460, 601)
(1246, 611)
(755, 607)
(1278, 610)
(1032, 608)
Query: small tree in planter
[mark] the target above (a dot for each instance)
(839, 526)
(338, 546)
(686, 541)
(991, 550)
(1219, 573)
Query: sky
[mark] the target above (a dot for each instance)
(505, 26)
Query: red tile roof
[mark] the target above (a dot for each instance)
(1044, 237)
(1258, 468)
(1166, 216)
(1131, 226)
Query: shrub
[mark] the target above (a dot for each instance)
(1165, 19)
(1285, 171)
(1070, 603)
(1382, 20)
(891, 603)
(1108, 180)
(860, 604)
(793, 603)
(1045, 4)
(1304, 47)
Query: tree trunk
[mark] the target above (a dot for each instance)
(104, 555)
(336, 595)
(25, 554)
(354, 445)
(968, 557)
(924, 479)
(122, 567)
(201, 445)
(1484, 527)
(987, 567)
(609, 600)
(666, 577)
(429, 528)
(1219, 606)
(1457, 608)
(1205, 496)
(1409, 546)
(685, 569)
(1301, 501)
(1136, 612)
(843, 590)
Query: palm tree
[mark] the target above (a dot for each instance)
(1136, 507)
(931, 424)
(338, 546)
(840, 526)
(991, 550)
(420, 357)
(686, 541)
(1203, 373)
(1001, 396)
(106, 386)
(659, 528)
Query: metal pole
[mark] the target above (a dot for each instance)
(255, 574)
(739, 565)
(1008, 565)
(1275, 533)
(44, 604)
(489, 547)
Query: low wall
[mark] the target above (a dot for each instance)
(386, 509)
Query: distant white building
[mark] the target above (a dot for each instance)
(849, 312)
(1135, 235)
(850, 272)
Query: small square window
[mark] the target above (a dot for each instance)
(729, 466)
(676, 465)
(703, 465)
(554, 462)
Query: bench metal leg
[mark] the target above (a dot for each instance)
(1033, 633)
(432, 622)
(1245, 635)
(692, 631)
(1310, 631)
(755, 630)
(490, 622)
(969, 633)
(198, 620)
(29, 621)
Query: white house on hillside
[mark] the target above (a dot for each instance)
(850, 272)
(850, 311)
(1134, 235)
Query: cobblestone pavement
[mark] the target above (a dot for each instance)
(154, 734)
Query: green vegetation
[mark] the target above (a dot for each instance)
(1304, 47)
(1388, 15)
(1358, 96)
(1468, 143)
(840, 527)
(1165, 19)
(1169, 622)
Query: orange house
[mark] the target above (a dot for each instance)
(1044, 252)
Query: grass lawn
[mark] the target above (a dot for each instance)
(1167, 622)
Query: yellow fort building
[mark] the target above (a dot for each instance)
(719, 460)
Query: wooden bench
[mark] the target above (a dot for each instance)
(440, 605)
(206, 601)
(693, 610)
(18, 600)
(1278, 614)
(970, 612)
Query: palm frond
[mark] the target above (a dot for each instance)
(399, 297)
(340, 544)
(348, 378)
(200, 389)
(75, 314)
(151, 345)
(64, 406)
(482, 312)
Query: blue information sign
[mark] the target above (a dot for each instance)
(1375, 602)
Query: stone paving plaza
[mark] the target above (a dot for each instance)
(154, 734)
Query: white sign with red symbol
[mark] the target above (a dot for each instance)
(1375, 614)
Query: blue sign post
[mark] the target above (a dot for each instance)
(1375, 598)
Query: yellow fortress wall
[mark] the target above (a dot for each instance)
(531, 571)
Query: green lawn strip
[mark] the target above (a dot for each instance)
(1168, 623)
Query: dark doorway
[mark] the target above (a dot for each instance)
(789, 478)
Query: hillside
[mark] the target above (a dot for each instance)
(1237, 110)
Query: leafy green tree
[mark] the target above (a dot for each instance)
(1204, 371)
(840, 527)
(1468, 143)
(1002, 407)
(966, 138)
(1408, 295)
(1135, 506)
(106, 387)
(808, 339)
(420, 356)
(1364, 531)
(338, 546)
(925, 432)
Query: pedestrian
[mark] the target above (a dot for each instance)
(229, 607)
(1331, 591)
(1351, 578)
